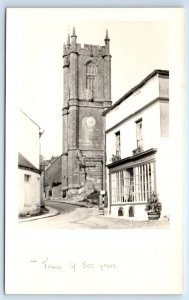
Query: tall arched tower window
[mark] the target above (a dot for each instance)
(91, 71)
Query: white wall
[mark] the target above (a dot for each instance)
(139, 211)
(150, 113)
(151, 133)
(28, 146)
(29, 192)
(140, 98)
(164, 173)
(154, 118)
(28, 140)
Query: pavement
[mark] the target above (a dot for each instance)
(51, 213)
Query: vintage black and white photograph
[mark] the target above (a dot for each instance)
(94, 135)
(104, 165)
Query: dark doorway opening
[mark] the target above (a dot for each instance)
(131, 211)
(120, 212)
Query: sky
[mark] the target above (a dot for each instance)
(35, 39)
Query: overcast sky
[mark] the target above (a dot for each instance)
(34, 51)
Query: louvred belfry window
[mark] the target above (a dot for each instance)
(91, 77)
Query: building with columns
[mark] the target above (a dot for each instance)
(87, 94)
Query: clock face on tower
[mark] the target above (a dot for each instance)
(89, 122)
(89, 135)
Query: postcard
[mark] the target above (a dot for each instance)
(94, 151)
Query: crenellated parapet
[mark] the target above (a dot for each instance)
(87, 50)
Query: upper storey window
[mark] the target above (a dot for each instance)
(91, 78)
(118, 144)
(139, 135)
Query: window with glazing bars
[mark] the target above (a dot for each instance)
(133, 184)
(139, 136)
(118, 144)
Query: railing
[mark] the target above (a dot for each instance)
(137, 150)
(115, 158)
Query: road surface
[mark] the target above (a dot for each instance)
(75, 217)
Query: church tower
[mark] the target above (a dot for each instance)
(87, 93)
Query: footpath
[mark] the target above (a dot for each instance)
(51, 213)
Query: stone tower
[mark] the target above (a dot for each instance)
(87, 93)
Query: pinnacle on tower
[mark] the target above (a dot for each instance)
(107, 37)
(73, 33)
(73, 39)
(68, 41)
(91, 51)
(64, 48)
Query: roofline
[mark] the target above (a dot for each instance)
(29, 118)
(26, 164)
(131, 158)
(53, 162)
(35, 170)
(136, 87)
(136, 112)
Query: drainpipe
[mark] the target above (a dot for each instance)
(42, 168)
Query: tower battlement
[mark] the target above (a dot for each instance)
(87, 49)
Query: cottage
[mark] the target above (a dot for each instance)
(28, 166)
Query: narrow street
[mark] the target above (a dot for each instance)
(75, 217)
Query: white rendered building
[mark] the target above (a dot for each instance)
(28, 166)
(137, 148)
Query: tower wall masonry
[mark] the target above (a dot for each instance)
(87, 93)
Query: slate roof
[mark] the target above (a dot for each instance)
(23, 163)
(54, 172)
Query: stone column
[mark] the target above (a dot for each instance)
(65, 126)
(107, 77)
(65, 151)
(73, 125)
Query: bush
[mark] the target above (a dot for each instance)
(153, 204)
